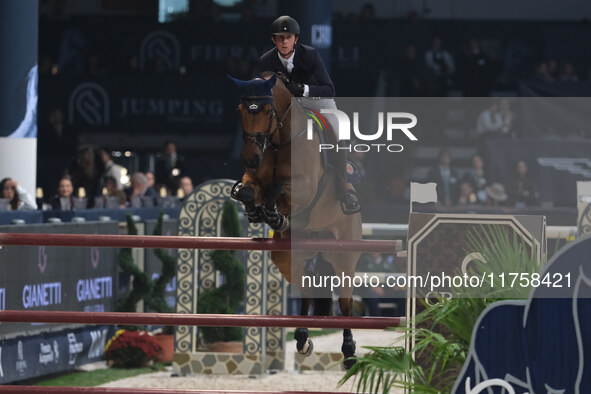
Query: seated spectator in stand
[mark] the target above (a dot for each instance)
(467, 195)
(568, 73)
(87, 173)
(476, 177)
(374, 296)
(151, 179)
(139, 194)
(111, 169)
(113, 191)
(522, 188)
(496, 195)
(64, 199)
(169, 168)
(186, 186)
(18, 198)
(542, 73)
(446, 179)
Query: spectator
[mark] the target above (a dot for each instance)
(522, 188)
(169, 168)
(111, 169)
(94, 65)
(445, 177)
(87, 173)
(18, 198)
(367, 14)
(477, 179)
(552, 66)
(496, 120)
(477, 71)
(186, 186)
(56, 148)
(113, 191)
(374, 296)
(568, 73)
(64, 199)
(151, 178)
(466, 194)
(440, 68)
(542, 73)
(411, 73)
(139, 194)
(496, 195)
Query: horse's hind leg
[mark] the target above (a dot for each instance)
(348, 347)
(303, 344)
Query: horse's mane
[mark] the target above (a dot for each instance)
(269, 74)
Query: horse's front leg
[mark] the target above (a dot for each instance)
(246, 191)
(348, 347)
(277, 220)
(304, 345)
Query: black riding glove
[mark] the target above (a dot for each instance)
(295, 88)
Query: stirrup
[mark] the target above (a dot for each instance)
(350, 203)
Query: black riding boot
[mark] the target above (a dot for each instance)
(345, 192)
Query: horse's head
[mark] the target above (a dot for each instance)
(259, 118)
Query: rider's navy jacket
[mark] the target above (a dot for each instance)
(308, 68)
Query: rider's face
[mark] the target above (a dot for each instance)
(285, 43)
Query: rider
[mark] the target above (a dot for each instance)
(306, 76)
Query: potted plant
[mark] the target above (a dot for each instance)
(228, 297)
(132, 349)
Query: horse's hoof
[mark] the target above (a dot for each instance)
(236, 190)
(307, 348)
(256, 216)
(280, 223)
(349, 362)
(243, 193)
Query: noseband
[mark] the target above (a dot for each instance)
(264, 140)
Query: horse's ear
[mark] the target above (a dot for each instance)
(239, 83)
(271, 81)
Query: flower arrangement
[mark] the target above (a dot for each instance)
(130, 349)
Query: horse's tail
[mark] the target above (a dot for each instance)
(322, 306)
(323, 303)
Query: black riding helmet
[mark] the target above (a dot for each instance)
(285, 25)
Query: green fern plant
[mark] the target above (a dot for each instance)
(142, 286)
(385, 368)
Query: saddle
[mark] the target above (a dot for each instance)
(336, 162)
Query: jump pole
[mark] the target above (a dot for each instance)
(179, 242)
(116, 390)
(201, 320)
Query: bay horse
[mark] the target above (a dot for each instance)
(288, 185)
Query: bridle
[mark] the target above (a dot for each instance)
(263, 140)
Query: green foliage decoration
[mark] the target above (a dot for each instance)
(227, 298)
(143, 287)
